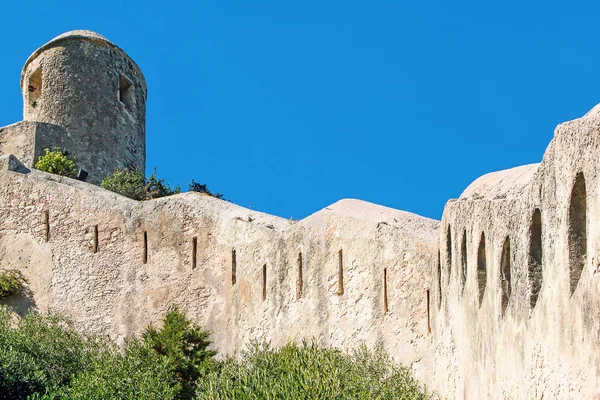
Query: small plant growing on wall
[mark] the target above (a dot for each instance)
(12, 283)
(133, 184)
(129, 183)
(57, 162)
(194, 186)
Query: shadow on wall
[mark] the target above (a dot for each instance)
(22, 303)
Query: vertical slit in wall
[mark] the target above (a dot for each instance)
(340, 274)
(449, 251)
(428, 317)
(145, 254)
(385, 293)
(264, 282)
(95, 243)
(46, 225)
(194, 251)
(233, 267)
(439, 282)
(299, 282)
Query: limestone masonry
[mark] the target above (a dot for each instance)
(501, 299)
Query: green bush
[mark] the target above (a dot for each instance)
(57, 162)
(184, 347)
(138, 373)
(156, 188)
(44, 357)
(133, 184)
(12, 283)
(194, 186)
(308, 371)
(129, 183)
(39, 353)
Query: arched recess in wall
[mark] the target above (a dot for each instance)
(449, 251)
(505, 275)
(481, 269)
(439, 276)
(534, 267)
(463, 262)
(577, 231)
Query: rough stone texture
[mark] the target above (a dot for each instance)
(114, 292)
(542, 346)
(509, 280)
(91, 88)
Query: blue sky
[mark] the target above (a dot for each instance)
(291, 106)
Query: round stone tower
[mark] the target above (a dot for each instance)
(96, 93)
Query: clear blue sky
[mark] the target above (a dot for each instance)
(291, 106)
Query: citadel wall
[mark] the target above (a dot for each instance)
(115, 265)
(499, 300)
(518, 278)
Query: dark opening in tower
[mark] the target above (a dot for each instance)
(126, 93)
(34, 87)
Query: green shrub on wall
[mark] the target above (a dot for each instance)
(11, 283)
(57, 162)
(133, 184)
(194, 186)
(129, 183)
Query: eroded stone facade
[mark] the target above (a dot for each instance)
(499, 300)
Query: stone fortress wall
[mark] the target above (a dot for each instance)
(517, 283)
(354, 272)
(496, 301)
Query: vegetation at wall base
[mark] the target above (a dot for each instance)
(307, 371)
(57, 161)
(12, 283)
(44, 357)
(184, 347)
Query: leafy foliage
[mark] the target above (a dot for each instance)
(138, 373)
(44, 357)
(184, 347)
(129, 183)
(40, 352)
(194, 186)
(57, 162)
(133, 184)
(309, 372)
(11, 283)
(156, 188)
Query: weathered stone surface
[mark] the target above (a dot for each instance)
(114, 292)
(508, 281)
(545, 345)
